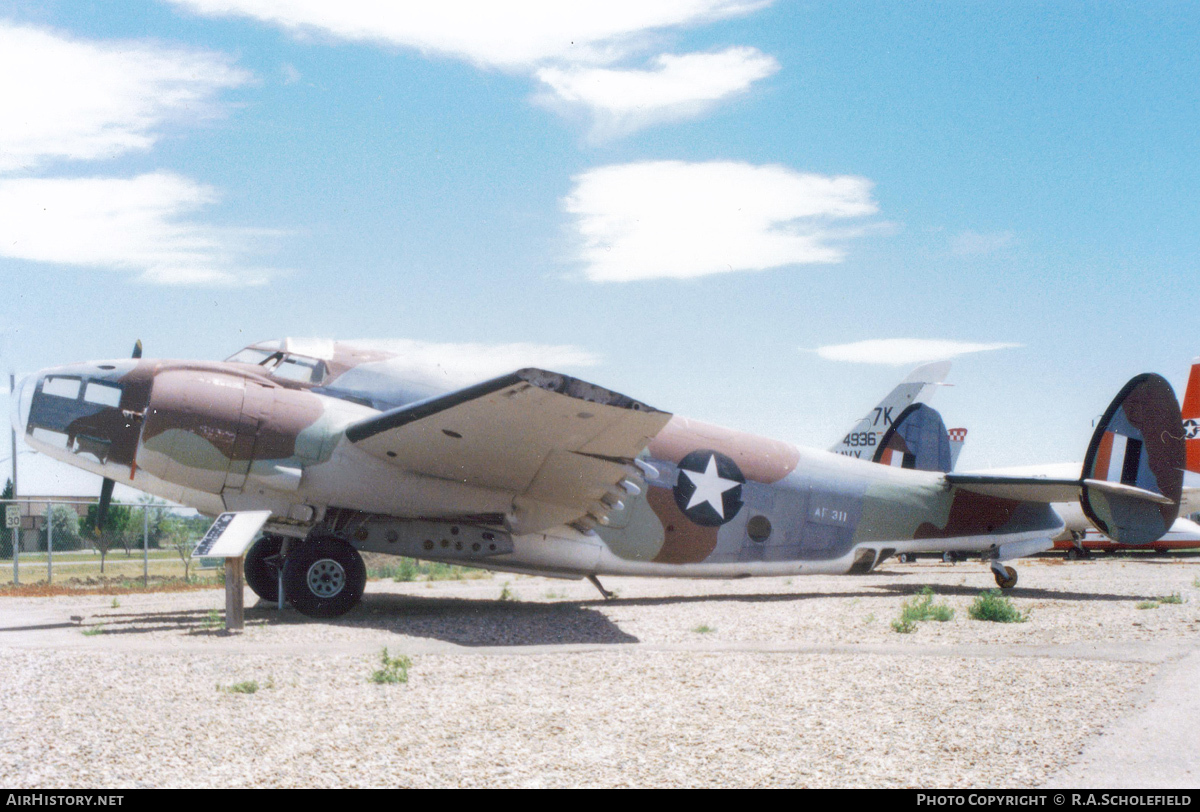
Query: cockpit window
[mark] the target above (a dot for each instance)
(104, 394)
(250, 356)
(61, 387)
(300, 369)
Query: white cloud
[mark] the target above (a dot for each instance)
(974, 243)
(678, 86)
(72, 99)
(451, 365)
(561, 41)
(670, 219)
(898, 351)
(512, 34)
(140, 225)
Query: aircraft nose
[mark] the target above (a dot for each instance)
(19, 402)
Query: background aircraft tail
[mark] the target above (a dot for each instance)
(864, 437)
(957, 438)
(917, 439)
(1191, 424)
(1137, 444)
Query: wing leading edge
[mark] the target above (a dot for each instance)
(562, 447)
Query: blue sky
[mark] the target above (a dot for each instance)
(683, 200)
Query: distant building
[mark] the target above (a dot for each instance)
(34, 509)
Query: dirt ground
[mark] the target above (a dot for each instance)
(519, 681)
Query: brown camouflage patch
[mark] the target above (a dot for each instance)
(971, 514)
(759, 458)
(684, 542)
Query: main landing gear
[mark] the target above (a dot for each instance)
(1006, 577)
(323, 576)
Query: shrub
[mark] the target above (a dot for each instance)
(703, 629)
(997, 608)
(247, 687)
(918, 609)
(1148, 605)
(392, 669)
(1174, 597)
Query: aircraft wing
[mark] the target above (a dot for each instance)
(559, 445)
(1046, 489)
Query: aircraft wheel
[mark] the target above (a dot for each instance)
(262, 567)
(324, 577)
(1073, 554)
(949, 557)
(1007, 582)
(902, 558)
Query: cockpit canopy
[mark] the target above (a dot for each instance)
(289, 359)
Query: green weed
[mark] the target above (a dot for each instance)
(918, 609)
(392, 669)
(997, 608)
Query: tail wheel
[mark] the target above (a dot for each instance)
(262, 567)
(324, 577)
(1008, 581)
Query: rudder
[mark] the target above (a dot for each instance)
(917, 439)
(1137, 443)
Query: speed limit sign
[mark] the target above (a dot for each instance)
(12, 517)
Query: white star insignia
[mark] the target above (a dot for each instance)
(710, 487)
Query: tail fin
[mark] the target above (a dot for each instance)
(1191, 423)
(864, 436)
(917, 439)
(957, 438)
(1138, 443)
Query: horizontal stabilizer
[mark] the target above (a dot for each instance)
(1047, 489)
(1019, 488)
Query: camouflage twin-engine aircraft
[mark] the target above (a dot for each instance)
(537, 472)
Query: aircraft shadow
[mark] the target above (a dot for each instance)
(475, 622)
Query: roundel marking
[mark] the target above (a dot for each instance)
(1191, 429)
(709, 487)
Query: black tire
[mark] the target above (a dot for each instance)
(261, 567)
(1073, 554)
(1008, 582)
(323, 577)
(949, 557)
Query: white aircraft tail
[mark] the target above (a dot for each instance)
(864, 436)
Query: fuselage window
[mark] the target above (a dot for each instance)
(103, 394)
(758, 528)
(61, 387)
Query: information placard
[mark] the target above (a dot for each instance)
(231, 534)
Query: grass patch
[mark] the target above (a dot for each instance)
(1148, 605)
(247, 687)
(94, 630)
(921, 608)
(996, 608)
(116, 603)
(392, 670)
(507, 594)
(704, 629)
(107, 586)
(212, 620)
(1174, 597)
(410, 569)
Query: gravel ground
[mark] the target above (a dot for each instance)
(798, 682)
